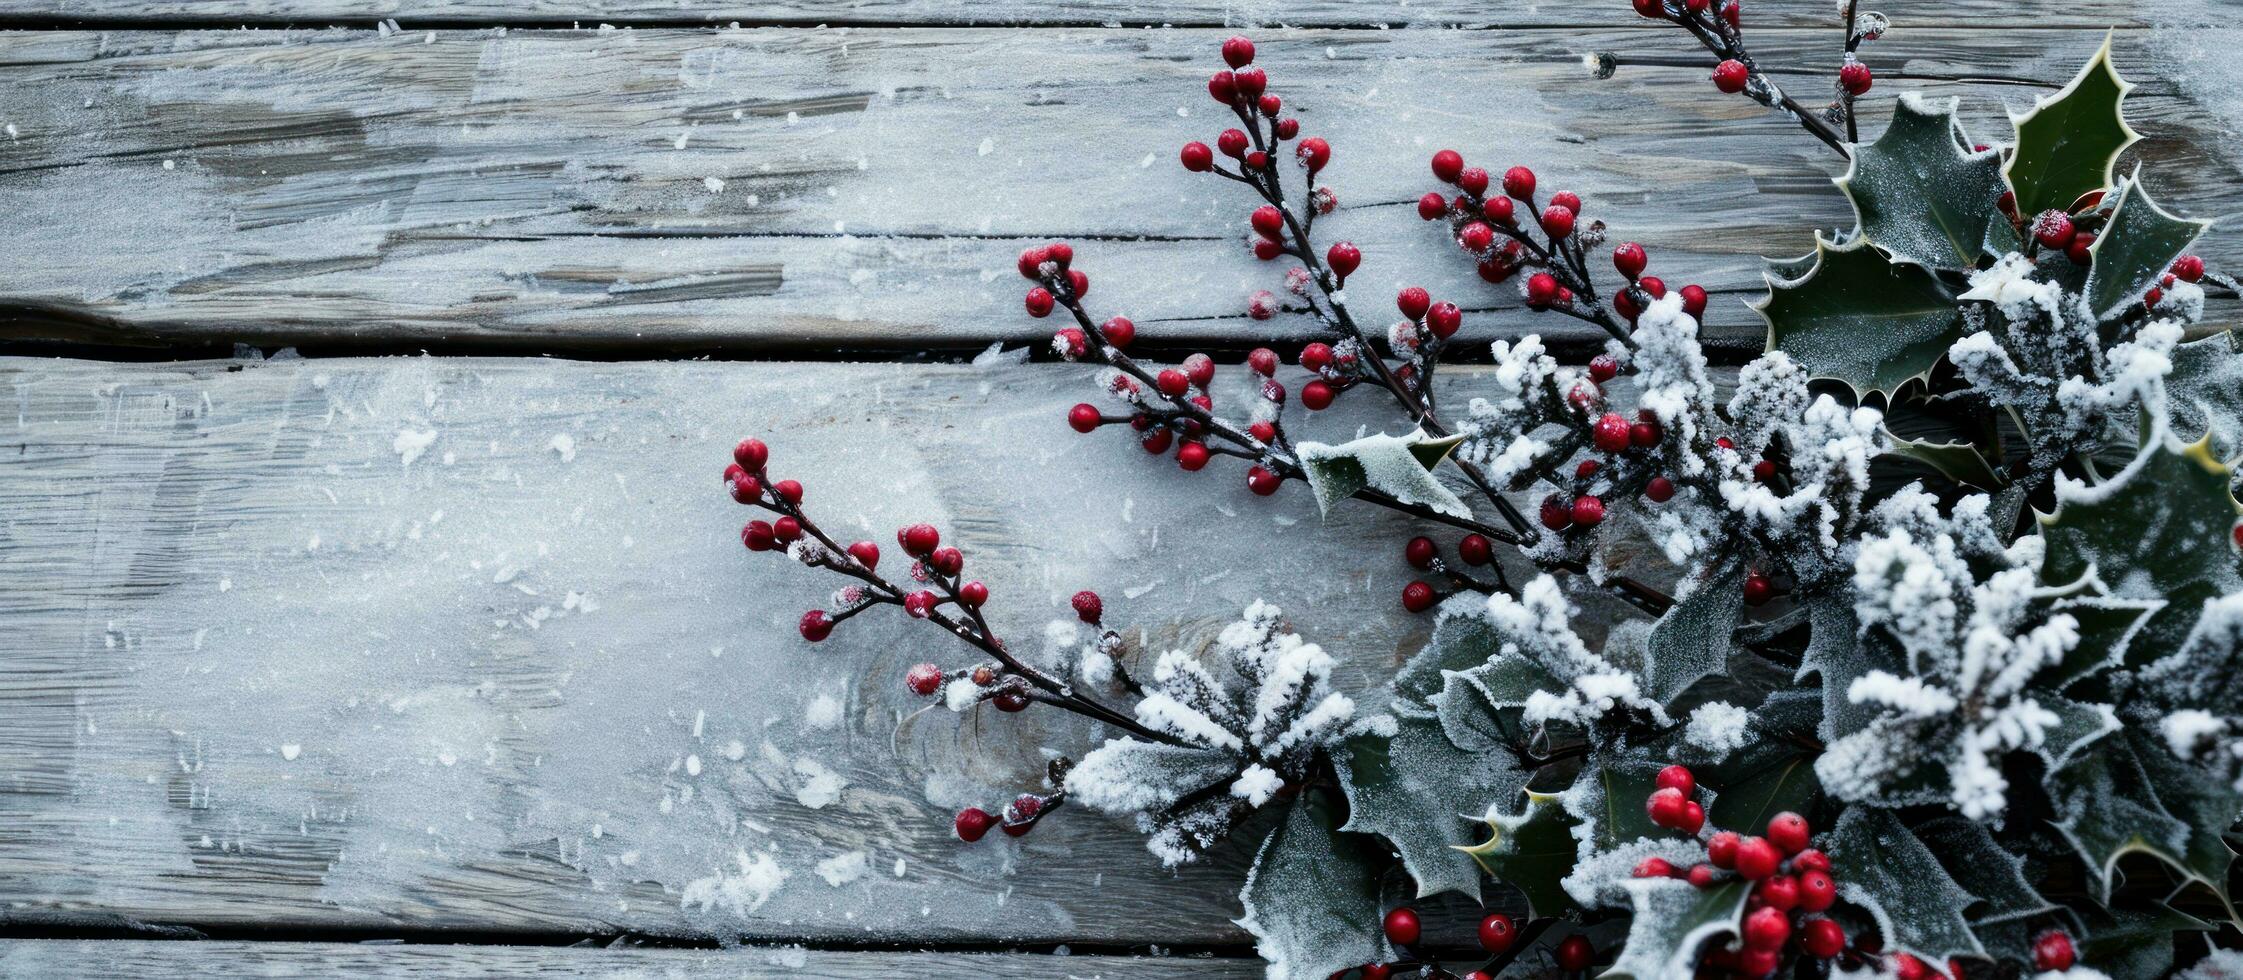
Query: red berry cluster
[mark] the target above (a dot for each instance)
(1474, 550)
(1722, 34)
(1019, 817)
(1791, 882)
(1499, 935)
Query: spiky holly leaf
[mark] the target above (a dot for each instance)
(2205, 392)
(1479, 707)
(1423, 794)
(2136, 247)
(1461, 641)
(1613, 792)
(1774, 771)
(2107, 626)
(1532, 851)
(2068, 142)
(1884, 869)
(1984, 868)
(1957, 461)
(1862, 319)
(2158, 530)
(2079, 726)
(1312, 898)
(1696, 636)
(2135, 942)
(1671, 921)
(1918, 193)
(1399, 466)
(2132, 796)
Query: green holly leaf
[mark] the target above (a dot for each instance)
(1862, 319)
(1671, 921)
(2158, 530)
(1614, 799)
(2135, 942)
(1478, 705)
(1882, 867)
(2079, 725)
(2136, 247)
(1983, 868)
(1461, 641)
(2107, 627)
(1957, 461)
(2204, 394)
(1918, 193)
(2068, 142)
(1769, 778)
(1312, 898)
(2132, 796)
(1401, 467)
(1532, 851)
(1696, 636)
(1423, 794)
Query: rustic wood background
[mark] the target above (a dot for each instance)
(303, 652)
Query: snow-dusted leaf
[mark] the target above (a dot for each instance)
(1837, 655)
(2159, 529)
(1616, 791)
(2136, 247)
(1957, 461)
(1919, 193)
(1479, 706)
(2079, 725)
(1531, 851)
(1424, 795)
(1312, 898)
(1862, 319)
(2107, 627)
(2205, 392)
(1884, 869)
(1982, 867)
(1400, 466)
(1127, 775)
(1461, 641)
(2131, 796)
(2068, 142)
(1695, 637)
(2135, 942)
(1672, 921)
(1780, 778)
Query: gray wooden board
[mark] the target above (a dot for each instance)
(556, 190)
(471, 644)
(72, 959)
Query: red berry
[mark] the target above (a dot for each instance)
(1038, 302)
(1729, 76)
(1603, 368)
(1200, 368)
(1758, 962)
(751, 454)
(1822, 939)
(786, 529)
(1262, 361)
(1541, 290)
(1238, 52)
(1854, 78)
(1420, 552)
(1588, 510)
(1651, 8)
(1557, 513)
(1223, 87)
(1781, 892)
(1444, 319)
(923, 679)
(1270, 104)
(1587, 469)
(2188, 267)
(1721, 848)
(1070, 342)
(1659, 490)
(1032, 259)
(1678, 778)
(1816, 891)
(1654, 867)
(1906, 967)
(1088, 607)
(1447, 164)
(1197, 157)
(1701, 876)
(1313, 153)
(1078, 282)
(920, 604)
(1643, 435)
(1376, 971)
(1758, 590)
(816, 625)
(1567, 200)
(1476, 237)
(1733, 12)
(1402, 927)
(788, 490)
(1473, 181)
(1611, 432)
(1264, 432)
(1432, 206)
(1756, 858)
(1789, 831)
(946, 560)
(1084, 418)
(1499, 210)
(1172, 383)
(1011, 701)
(2150, 298)
(1810, 860)
(1316, 357)
(1576, 954)
(973, 822)
(973, 594)
(1557, 221)
(1764, 470)
(1418, 597)
(1693, 818)
(1665, 806)
(1343, 258)
(1630, 259)
(866, 553)
(1498, 932)
(2053, 229)
(1475, 550)
(1288, 127)
(1267, 221)
(1694, 300)
(1262, 481)
(747, 489)
(918, 539)
(2053, 951)
(1192, 456)
(1316, 395)
(1518, 182)
(758, 537)
(1157, 441)
(1413, 301)
(1767, 928)
(1232, 143)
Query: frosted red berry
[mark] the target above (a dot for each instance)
(1402, 926)
(751, 454)
(1610, 433)
(1541, 290)
(1238, 52)
(973, 823)
(1557, 221)
(1721, 848)
(1756, 858)
(918, 539)
(1567, 200)
(1498, 932)
(2053, 229)
(815, 625)
(1088, 607)
(1447, 164)
(1499, 210)
(1588, 510)
(1172, 383)
(1473, 181)
(1644, 435)
(2189, 268)
(1313, 153)
(747, 489)
(1665, 806)
(1265, 432)
(1587, 469)
(1653, 867)
(1413, 301)
(1418, 597)
(1729, 76)
(920, 604)
(1084, 417)
(1316, 357)
(1444, 319)
(866, 553)
(1629, 258)
(1789, 831)
(1557, 513)
(1263, 482)
(1854, 77)
(1157, 441)
(1810, 860)
(1518, 182)
(948, 561)
(1701, 876)
(1038, 302)
(923, 679)
(1603, 368)
(2053, 950)
(1679, 779)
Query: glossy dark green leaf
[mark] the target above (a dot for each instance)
(1671, 922)
(1957, 461)
(2136, 247)
(1880, 865)
(1532, 850)
(2068, 142)
(1312, 899)
(1862, 319)
(1919, 194)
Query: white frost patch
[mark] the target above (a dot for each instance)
(824, 712)
(410, 444)
(820, 785)
(291, 751)
(564, 444)
(757, 879)
(842, 869)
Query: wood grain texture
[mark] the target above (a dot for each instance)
(69, 959)
(559, 190)
(471, 645)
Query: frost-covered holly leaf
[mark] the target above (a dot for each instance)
(2068, 142)
(2159, 529)
(1473, 708)
(1532, 851)
(1982, 867)
(1859, 318)
(1837, 654)
(1957, 461)
(1422, 793)
(2131, 796)
(1918, 193)
(1884, 869)
(2079, 725)
(2135, 942)
(1789, 270)
(1767, 778)
(1460, 642)
(1399, 466)
(1618, 789)
(2107, 627)
(2205, 392)
(1312, 898)
(2136, 247)
(1671, 921)
(1696, 636)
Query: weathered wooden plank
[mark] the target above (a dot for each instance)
(1297, 13)
(470, 644)
(62, 959)
(557, 190)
